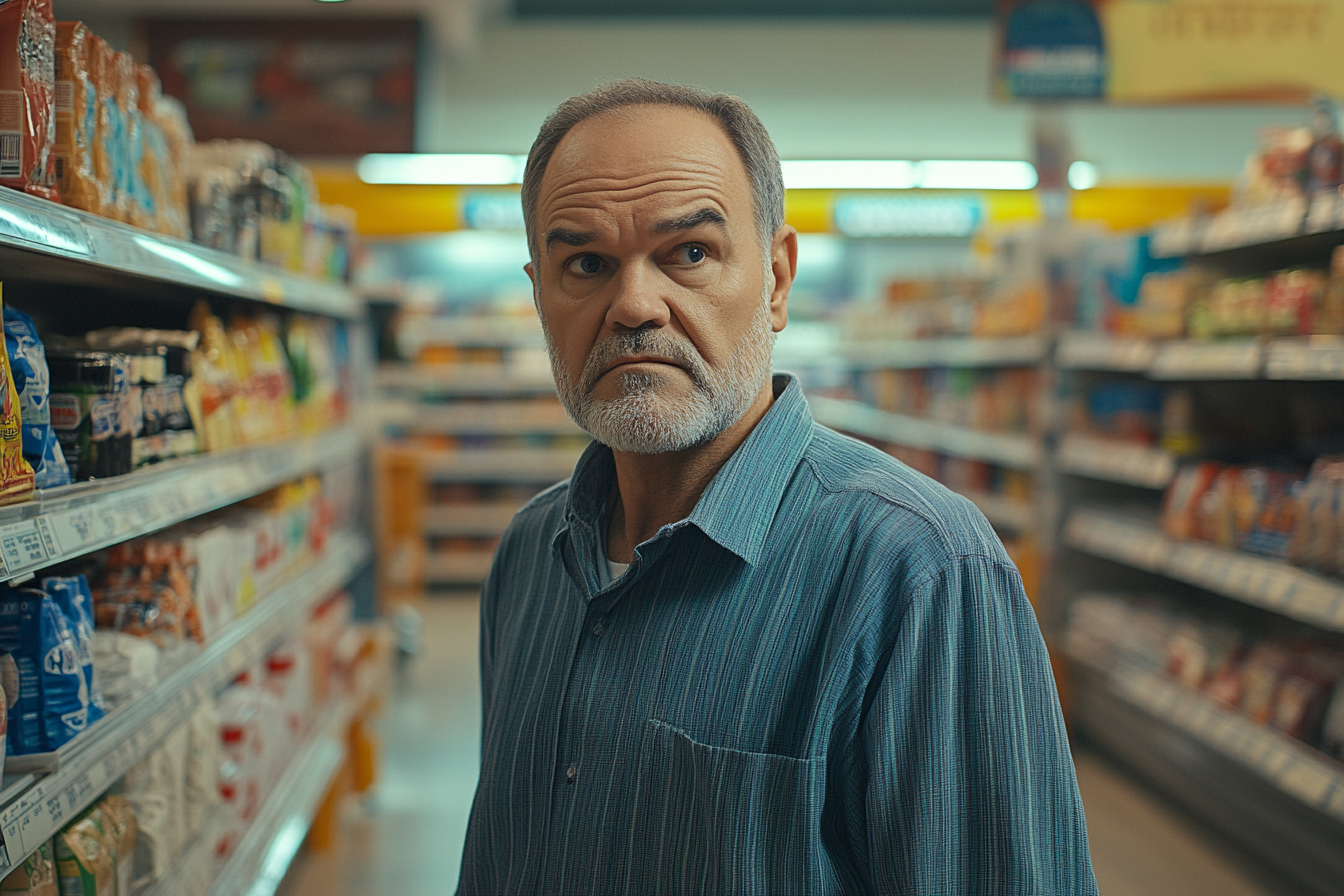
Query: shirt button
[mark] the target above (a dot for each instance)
(598, 629)
(570, 774)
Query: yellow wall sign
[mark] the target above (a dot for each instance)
(1223, 50)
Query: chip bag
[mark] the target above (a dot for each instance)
(28, 97)
(76, 121)
(16, 475)
(35, 875)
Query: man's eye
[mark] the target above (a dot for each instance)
(689, 254)
(585, 264)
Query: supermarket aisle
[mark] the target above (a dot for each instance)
(408, 840)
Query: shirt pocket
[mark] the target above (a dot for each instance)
(713, 820)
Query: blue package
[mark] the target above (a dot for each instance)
(53, 704)
(75, 599)
(28, 366)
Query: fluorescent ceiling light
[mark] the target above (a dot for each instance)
(849, 174)
(975, 175)
(903, 174)
(441, 168)
(1083, 175)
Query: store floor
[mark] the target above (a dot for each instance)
(406, 840)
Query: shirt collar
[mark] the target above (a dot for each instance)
(738, 507)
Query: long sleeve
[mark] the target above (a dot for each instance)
(968, 785)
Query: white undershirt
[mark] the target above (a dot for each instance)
(617, 569)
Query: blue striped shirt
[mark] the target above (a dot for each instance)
(826, 679)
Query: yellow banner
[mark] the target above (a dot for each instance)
(1223, 50)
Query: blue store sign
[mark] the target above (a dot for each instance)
(1051, 50)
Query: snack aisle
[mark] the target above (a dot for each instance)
(183, 521)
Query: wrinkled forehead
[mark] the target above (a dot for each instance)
(641, 152)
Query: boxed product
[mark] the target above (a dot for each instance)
(28, 97)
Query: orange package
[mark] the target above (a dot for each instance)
(130, 177)
(109, 128)
(153, 151)
(16, 476)
(76, 120)
(28, 97)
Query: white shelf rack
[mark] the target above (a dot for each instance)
(1086, 350)
(1021, 452)
(1235, 359)
(502, 418)
(1258, 581)
(448, 380)
(35, 809)
(1305, 358)
(259, 862)
(1018, 351)
(468, 520)
(50, 230)
(514, 465)
(443, 568)
(1292, 767)
(1280, 358)
(1098, 458)
(67, 522)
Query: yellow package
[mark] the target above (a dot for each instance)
(76, 120)
(16, 475)
(35, 876)
(211, 392)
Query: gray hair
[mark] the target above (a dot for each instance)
(741, 125)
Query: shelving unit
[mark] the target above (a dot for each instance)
(1280, 798)
(909, 353)
(43, 243)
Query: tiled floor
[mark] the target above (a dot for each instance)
(407, 839)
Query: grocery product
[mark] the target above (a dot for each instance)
(144, 590)
(16, 474)
(28, 97)
(109, 129)
(28, 366)
(160, 363)
(1182, 502)
(90, 406)
(154, 788)
(35, 875)
(76, 121)
(53, 695)
(88, 850)
(127, 666)
(75, 601)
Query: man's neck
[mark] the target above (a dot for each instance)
(654, 490)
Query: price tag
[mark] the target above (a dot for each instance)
(50, 230)
(22, 546)
(48, 534)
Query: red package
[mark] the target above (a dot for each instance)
(1180, 506)
(28, 97)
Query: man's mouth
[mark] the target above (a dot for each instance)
(639, 359)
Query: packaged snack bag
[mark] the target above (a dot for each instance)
(122, 831)
(75, 599)
(109, 145)
(210, 394)
(35, 875)
(53, 704)
(1292, 300)
(154, 157)
(16, 474)
(1180, 506)
(1264, 668)
(28, 97)
(32, 380)
(86, 861)
(130, 181)
(1198, 653)
(76, 121)
(1273, 521)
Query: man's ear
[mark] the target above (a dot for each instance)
(532, 275)
(784, 266)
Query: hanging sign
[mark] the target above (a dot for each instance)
(1051, 50)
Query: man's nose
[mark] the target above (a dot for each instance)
(637, 302)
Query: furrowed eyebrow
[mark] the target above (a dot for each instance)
(568, 237)
(694, 219)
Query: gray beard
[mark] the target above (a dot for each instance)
(645, 419)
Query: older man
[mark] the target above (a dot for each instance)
(737, 653)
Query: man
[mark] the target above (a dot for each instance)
(737, 652)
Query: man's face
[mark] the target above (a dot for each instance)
(658, 300)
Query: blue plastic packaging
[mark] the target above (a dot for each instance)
(75, 599)
(53, 704)
(28, 365)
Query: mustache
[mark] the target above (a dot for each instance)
(643, 342)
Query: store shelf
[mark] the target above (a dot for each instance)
(910, 353)
(1084, 350)
(468, 520)
(458, 568)
(1264, 237)
(1113, 461)
(49, 242)
(259, 862)
(479, 332)
(1236, 359)
(529, 465)
(1006, 513)
(1017, 451)
(450, 380)
(1306, 358)
(35, 810)
(1258, 581)
(502, 418)
(76, 519)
